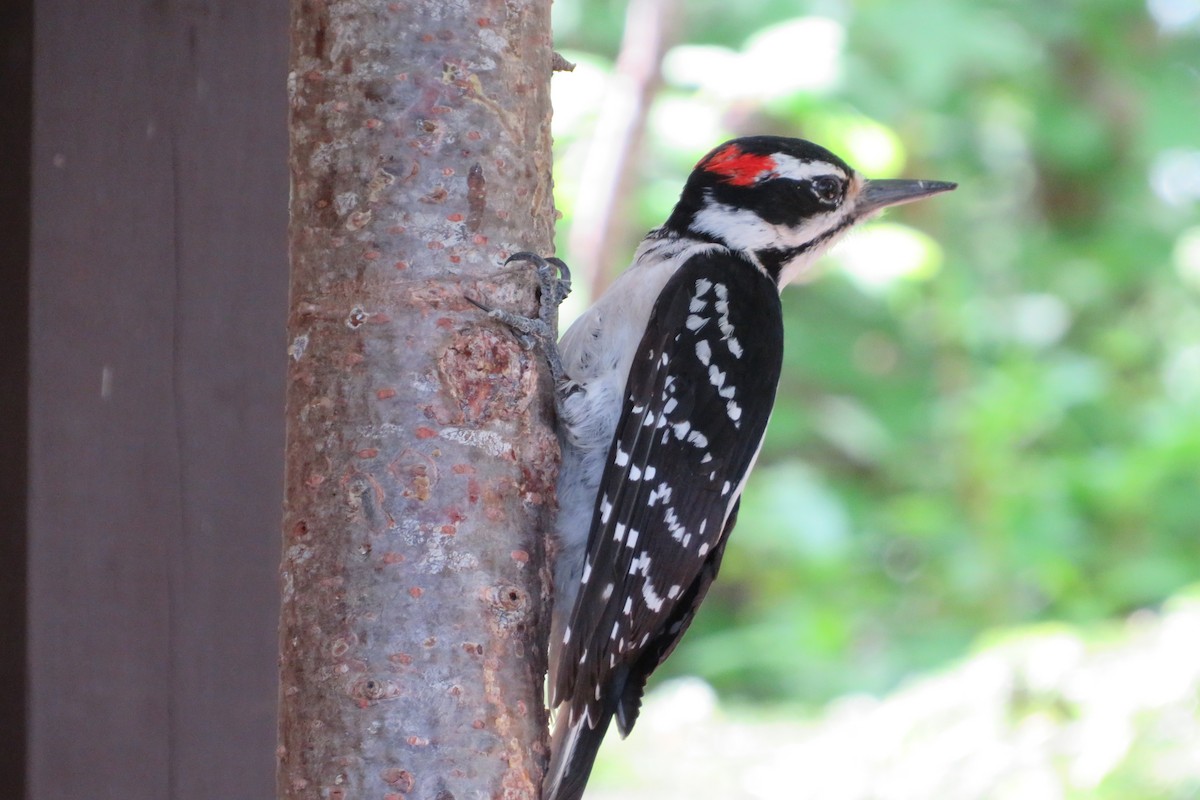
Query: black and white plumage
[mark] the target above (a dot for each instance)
(671, 379)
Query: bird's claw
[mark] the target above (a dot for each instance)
(542, 329)
(553, 289)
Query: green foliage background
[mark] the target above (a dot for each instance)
(1007, 429)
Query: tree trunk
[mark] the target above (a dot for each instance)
(420, 461)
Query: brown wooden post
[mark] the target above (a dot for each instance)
(158, 293)
(420, 461)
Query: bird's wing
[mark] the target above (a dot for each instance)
(698, 398)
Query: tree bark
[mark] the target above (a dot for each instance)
(420, 460)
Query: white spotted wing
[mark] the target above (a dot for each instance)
(697, 402)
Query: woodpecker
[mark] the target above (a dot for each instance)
(666, 386)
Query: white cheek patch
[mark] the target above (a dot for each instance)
(742, 229)
(737, 227)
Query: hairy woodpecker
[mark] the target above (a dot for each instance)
(667, 383)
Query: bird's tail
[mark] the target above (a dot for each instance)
(573, 750)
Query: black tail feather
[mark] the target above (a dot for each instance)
(573, 751)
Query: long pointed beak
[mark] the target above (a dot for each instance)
(878, 195)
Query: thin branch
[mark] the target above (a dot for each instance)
(599, 225)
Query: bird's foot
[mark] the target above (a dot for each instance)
(554, 284)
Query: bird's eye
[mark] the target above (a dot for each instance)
(827, 189)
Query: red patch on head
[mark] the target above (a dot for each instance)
(738, 167)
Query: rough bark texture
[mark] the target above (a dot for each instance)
(420, 461)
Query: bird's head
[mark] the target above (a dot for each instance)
(783, 201)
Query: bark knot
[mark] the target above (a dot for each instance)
(482, 370)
